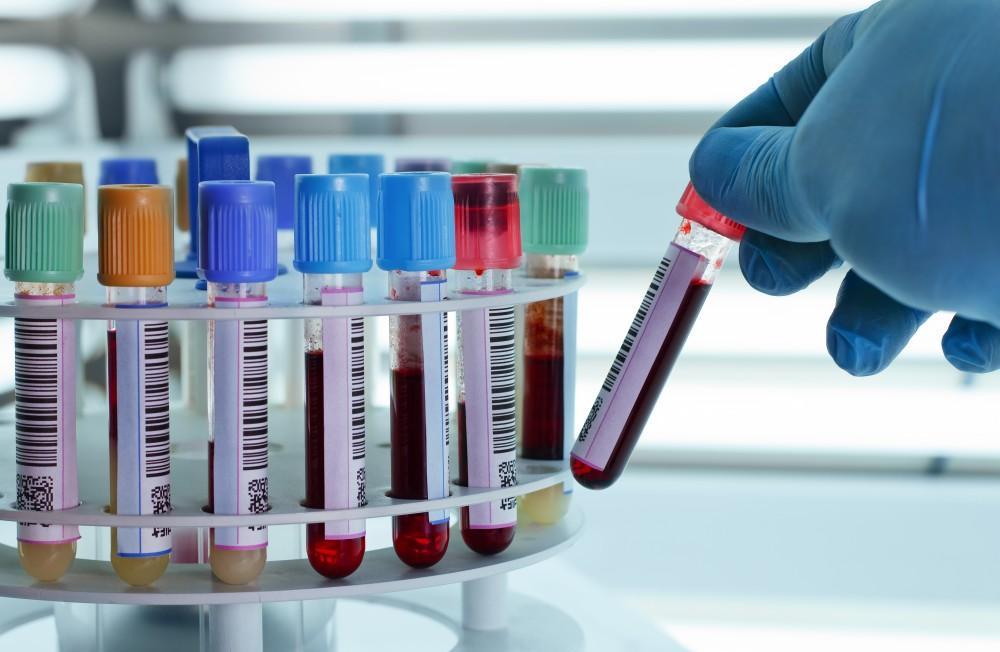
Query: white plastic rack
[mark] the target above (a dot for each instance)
(235, 612)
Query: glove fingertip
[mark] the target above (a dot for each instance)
(855, 354)
(965, 354)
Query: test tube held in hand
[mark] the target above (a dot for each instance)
(332, 251)
(44, 258)
(654, 342)
(416, 244)
(237, 256)
(135, 258)
(488, 248)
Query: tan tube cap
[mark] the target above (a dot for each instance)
(135, 233)
(58, 172)
(55, 172)
(181, 195)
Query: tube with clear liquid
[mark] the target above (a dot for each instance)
(237, 444)
(138, 381)
(45, 429)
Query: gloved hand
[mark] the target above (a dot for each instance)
(878, 146)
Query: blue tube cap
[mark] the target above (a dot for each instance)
(116, 171)
(282, 170)
(371, 164)
(214, 154)
(416, 221)
(332, 226)
(238, 234)
(423, 164)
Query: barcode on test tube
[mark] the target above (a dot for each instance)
(502, 387)
(157, 399)
(36, 368)
(637, 323)
(254, 381)
(446, 375)
(358, 388)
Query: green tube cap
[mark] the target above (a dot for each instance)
(44, 232)
(469, 167)
(554, 210)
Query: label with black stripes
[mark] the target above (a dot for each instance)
(632, 365)
(45, 419)
(343, 413)
(239, 423)
(143, 420)
(488, 358)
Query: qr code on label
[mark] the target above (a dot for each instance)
(361, 496)
(35, 492)
(257, 492)
(161, 505)
(508, 478)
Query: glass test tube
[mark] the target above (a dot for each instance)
(237, 256)
(488, 248)
(416, 232)
(44, 257)
(418, 416)
(554, 219)
(135, 264)
(654, 341)
(332, 250)
(549, 382)
(335, 423)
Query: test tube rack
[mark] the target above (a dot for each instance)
(234, 613)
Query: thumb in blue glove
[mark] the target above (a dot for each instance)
(877, 146)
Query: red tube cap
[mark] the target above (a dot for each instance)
(487, 221)
(693, 207)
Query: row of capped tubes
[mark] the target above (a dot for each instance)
(239, 278)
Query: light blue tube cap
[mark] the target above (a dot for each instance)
(416, 221)
(332, 227)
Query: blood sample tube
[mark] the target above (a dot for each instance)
(423, 164)
(282, 171)
(554, 213)
(416, 244)
(119, 171)
(488, 247)
(136, 263)
(44, 258)
(333, 250)
(237, 256)
(653, 342)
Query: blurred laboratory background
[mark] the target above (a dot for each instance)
(774, 503)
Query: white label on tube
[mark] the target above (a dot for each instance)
(490, 428)
(434, 335)
(45, 419)
(343, 413)
(569, 373)
(143, 422)
(239, 424)
(632, 365)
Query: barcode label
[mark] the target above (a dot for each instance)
(631, 366)
(434, 336)
(142, 370)
(488, 356)
(239, 423)
(344, 413)
(45, 420)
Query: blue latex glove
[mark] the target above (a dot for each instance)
(878, 146)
